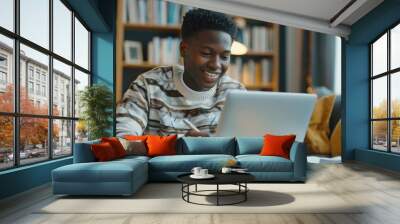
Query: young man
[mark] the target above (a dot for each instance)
(163, 100)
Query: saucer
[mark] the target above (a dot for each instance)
(208, 176)
(240, 171)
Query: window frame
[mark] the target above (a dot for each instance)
(3, 70)
(388, 74)
(16, 115)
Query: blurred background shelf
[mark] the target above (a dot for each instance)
(155, 26)
(257, 54)
(263, 87)
(143, 65)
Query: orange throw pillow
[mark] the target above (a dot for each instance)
(103, 152)
(116, 145)
(277, 145)
(161, 145)
(135, 137)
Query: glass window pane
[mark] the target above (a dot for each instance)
(395, 136)
(33, 140)
(7, 14)
(62, 29)
(6, 74)
(62, 89)
(81, 45)
(379, 135)
(81, 81)
(6, 142)
(81, 131)
(379, 97)
(35, 21)
(62, 138)
(379, 55)
(395, 95)
(34, 96)
(395, 47)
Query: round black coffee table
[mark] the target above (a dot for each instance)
(238, 179)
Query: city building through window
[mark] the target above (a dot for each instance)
(40, 124)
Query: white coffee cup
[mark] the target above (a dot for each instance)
(226, 170)
(196, 170)
(203, 172)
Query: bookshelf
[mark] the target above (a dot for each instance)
(153, 27)
(161, 31)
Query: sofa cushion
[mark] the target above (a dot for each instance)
(94, 172)
(136, 137)
(116, 145)
(118, 177)
(317, 136)
(277, 145)
(206, 145)
(185, 163)
(257, 163)
(89, 172)
(103, 152)
(134, 147)
(249, 145)
(83, 153)
(132, 158)
(161, 145)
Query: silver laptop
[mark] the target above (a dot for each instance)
(255, 113)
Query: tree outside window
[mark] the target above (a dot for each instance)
(385, 94)
(50, 135)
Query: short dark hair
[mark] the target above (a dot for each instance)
(197, 20)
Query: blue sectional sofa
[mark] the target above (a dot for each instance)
(125, 176)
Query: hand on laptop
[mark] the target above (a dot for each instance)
(194, 133)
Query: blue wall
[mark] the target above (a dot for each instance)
(24, 178)
(103, 52)
(99, 15)
(356, 84)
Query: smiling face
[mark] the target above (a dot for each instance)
(206, 57)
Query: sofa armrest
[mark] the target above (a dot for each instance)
(298, 156)
(83, 152)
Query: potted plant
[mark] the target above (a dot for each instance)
(96, 110)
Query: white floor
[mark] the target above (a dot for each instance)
(378, 189)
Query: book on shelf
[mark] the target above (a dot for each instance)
(163, 51)
(266, 71)
(234, 69)
(125, 11)
(154, 12)
(257, 38)
(251, 72)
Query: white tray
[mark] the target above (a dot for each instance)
(208, 176)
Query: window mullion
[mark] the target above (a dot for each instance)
(371, 89)
(73, 83)
(50, 81)
(389, 101)
(16, 69)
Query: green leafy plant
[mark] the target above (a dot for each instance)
(96, 105)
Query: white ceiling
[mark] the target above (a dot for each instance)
(321, 9)
(314, 15)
